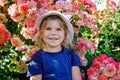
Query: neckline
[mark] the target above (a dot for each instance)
(58, 52)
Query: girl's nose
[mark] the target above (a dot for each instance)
(53, 32)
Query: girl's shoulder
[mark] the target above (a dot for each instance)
(38, 53)
(70, 50)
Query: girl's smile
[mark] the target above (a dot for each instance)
(53, 38)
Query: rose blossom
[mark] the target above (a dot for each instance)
(3, 18)
(4, 34)
(109, 70)
(16, 41)
(102, 77)
(3, 2)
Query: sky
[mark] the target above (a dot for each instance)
(102, 5)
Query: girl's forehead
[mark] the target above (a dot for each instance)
(53, 21)
(54, 24)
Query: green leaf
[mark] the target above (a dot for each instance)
(118, 25)
(13, 66)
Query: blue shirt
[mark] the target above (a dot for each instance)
(53, 65)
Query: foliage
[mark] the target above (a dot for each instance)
(96, 32)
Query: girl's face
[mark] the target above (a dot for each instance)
(53, 34)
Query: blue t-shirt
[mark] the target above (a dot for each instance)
(53, 65)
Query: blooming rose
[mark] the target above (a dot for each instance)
(4, 34)
(3, 18)
(102, 77)
(16, 41)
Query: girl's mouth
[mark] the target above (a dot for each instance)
(53, 38)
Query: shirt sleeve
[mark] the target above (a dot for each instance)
(34, 66)
(75, 59)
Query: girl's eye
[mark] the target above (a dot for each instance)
(48, 29)
(59, 29)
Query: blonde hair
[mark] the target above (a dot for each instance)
(41, 24)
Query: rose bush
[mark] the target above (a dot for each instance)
(97, 35)
(104, 68)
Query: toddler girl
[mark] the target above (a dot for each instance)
(56, 60)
